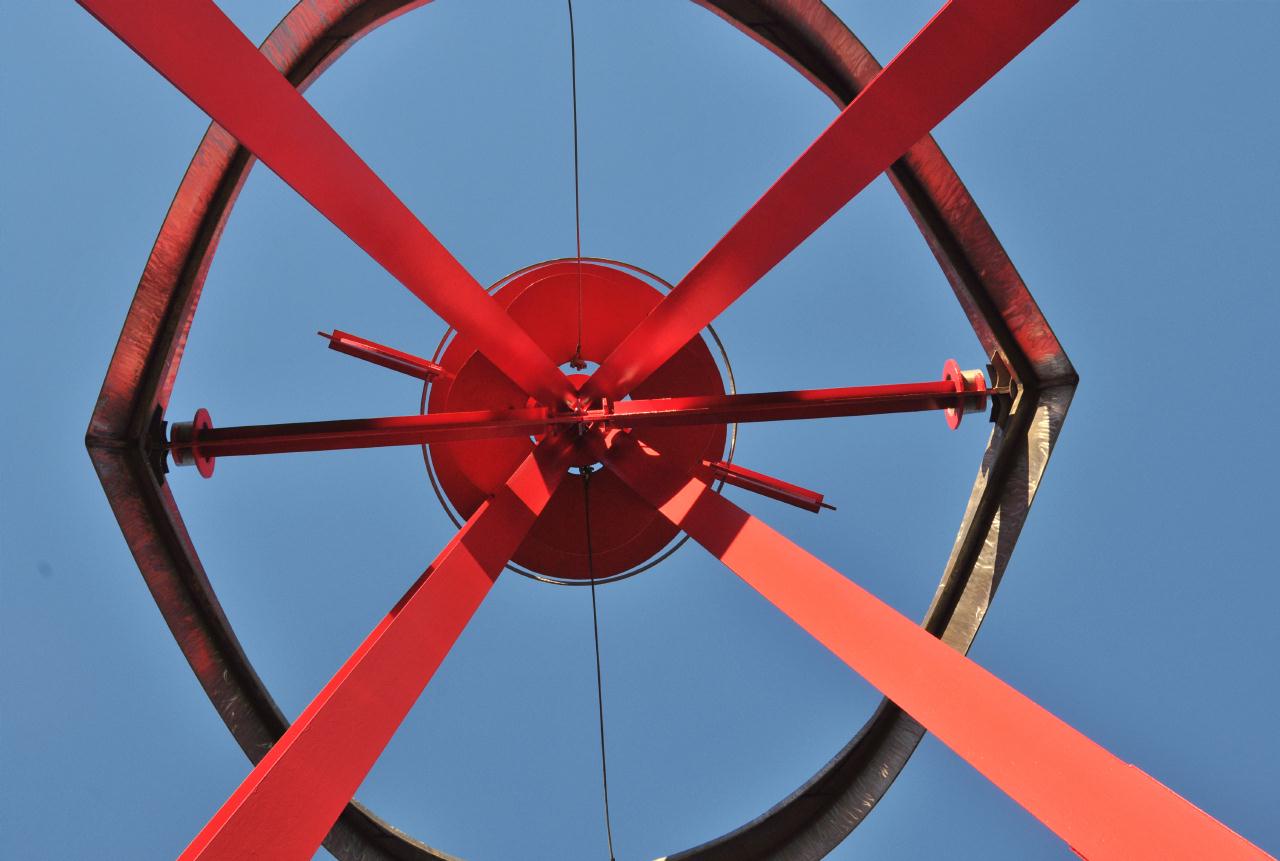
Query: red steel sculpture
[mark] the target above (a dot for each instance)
(505, 427)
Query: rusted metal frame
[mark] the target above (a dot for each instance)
(313, 35)
(136, 390)
(1104, 808)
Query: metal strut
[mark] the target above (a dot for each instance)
(199, 443)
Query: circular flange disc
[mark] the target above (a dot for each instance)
(625, 530)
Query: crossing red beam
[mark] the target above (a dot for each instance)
(290, 800)
(202, 53)
(195, 443)
(1106, 809)
(958, 51)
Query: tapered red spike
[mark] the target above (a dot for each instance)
(966, 43)
(767, 485)
(1106, 809)
(287, 804)
(381, 354)
(200, 51)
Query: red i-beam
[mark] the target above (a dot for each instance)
(1106, 809)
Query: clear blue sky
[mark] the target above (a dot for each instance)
(1128, 163)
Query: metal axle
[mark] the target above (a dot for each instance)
(199, 443)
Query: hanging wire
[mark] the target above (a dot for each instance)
(577, 361)
(595, 629)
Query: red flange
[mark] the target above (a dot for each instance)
(184, 441)
(965, 381)
(543, 300)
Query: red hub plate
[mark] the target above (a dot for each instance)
(625, 531)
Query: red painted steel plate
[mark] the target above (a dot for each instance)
(626, 532)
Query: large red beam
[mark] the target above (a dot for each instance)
(289, 801)
(966, 43)
(200, 51)
(1106, 809)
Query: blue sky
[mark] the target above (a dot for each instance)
(1127, 161)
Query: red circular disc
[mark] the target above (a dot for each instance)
(625, 531)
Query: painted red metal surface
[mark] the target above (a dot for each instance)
(199, 441)
(141, 374)
(784, 406)
(543, 300)
(381, 354)
(952, 4)
(186, 443)
(194, 45)
(965, 44)
(964, 382)
(1104, 808)
(289, 801)
(768, 485)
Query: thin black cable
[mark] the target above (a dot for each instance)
(576, 361)
(595, 629)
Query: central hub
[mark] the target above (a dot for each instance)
(544, 300)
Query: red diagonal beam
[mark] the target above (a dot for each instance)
(1104, 808)
(966, 43)
(381, 354)
(290, 800)
(193, 441)
(200, 51)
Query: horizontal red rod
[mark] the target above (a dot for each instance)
(359, 433)
(381, 354)
(782, 406)
(1104, 808)
(767, 485)
(213, 442)
(290, 800)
